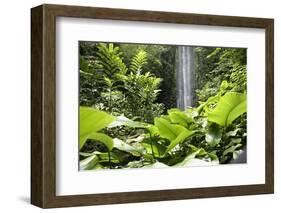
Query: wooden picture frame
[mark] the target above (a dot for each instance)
(43, 105)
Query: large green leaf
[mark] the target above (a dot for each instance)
(91, 121)
(231, 149)
(103, 156)
(229, 107)
(179, 139)
(105, 139)
(177, 116)
(237, 111)
(121, 145)
(174, 133)
(213, 135)
(89, 162)
(158, 149)
(124, 121)
(191, 160)
(153, 130)
(199, 162)
(156, 165)
(168, 130)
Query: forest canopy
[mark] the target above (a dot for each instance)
(146, 106)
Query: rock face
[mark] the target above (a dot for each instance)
(185, 76)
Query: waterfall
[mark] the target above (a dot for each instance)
(185, 76)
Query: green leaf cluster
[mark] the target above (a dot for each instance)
(180, 138)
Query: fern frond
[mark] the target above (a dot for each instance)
(138, 61)
(109, 58)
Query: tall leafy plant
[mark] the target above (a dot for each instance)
(109, 58)
(141, 91)
(138, 62)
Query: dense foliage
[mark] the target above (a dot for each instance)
(215, 65)
(128, 116)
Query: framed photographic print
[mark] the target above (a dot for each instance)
(136, 106)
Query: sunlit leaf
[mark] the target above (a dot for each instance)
(179, 117)
(121, 145)
(179, 139)
(168, 130)
(231, 149)
(89, 162)
(91, 121)
(229, 107)
(124, 121)
(156, 165)
(191, 160)
(105, 139)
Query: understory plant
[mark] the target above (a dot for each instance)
(196, 136)
(117, 88)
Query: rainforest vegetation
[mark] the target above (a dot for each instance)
(130, 115)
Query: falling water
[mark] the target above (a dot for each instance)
(185, 76)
